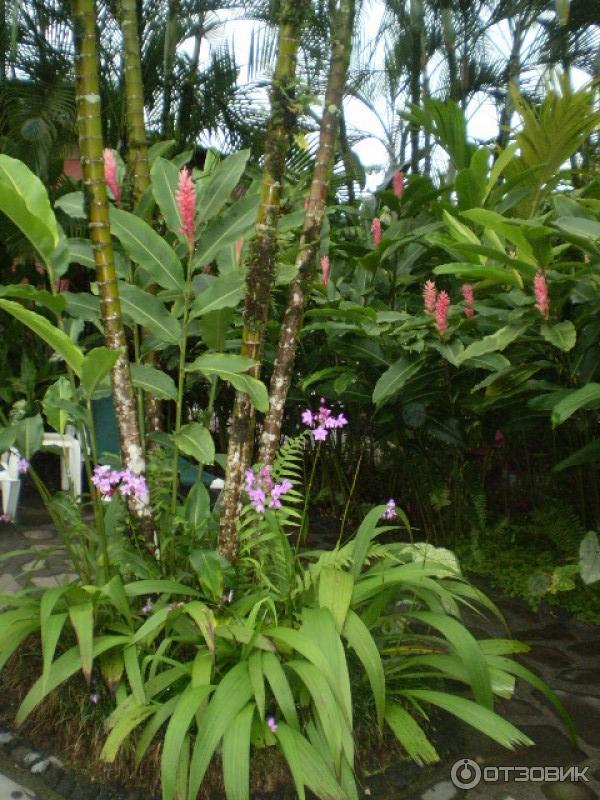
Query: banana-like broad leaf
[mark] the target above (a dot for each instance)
(96, 366)
(52, 335)
(231, 368)
(154, 381)
(196, 440)
(165, 177)
(147, 249)
(586, 397)
(394, 378)
(24, 199)
(226, 291)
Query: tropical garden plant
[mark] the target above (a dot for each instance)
(452, 322)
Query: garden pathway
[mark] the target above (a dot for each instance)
(565, 653)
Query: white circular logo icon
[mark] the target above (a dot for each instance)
(465, 774)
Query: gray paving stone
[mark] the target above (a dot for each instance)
(9, 790)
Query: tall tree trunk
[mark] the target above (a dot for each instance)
(449, 35)
(513, 72)
(137, 143)
(416, 33)
(261, 262)
(138, 165)
(90, 147)
(169, 53)
(342, 26)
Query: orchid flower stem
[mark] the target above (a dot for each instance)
(349, 500)
(181, 375)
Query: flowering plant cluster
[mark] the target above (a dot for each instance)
(322, 421)
(107, 481)
(262, 489)
(390, 510)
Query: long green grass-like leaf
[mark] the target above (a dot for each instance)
(275, 675)
(51, 630)
(258, 681)
(134, 675)
(307, 766)
(517, 669)
(181, 719)
(63, 668)
(325, 707)
(126, 723)
(363, 538)
(360, 640)
(467, 649)
(231, 695)
(161, 715)
(335, 593)
(236, 755)
(410, 734)
(141, 588)
(82, 620)
(486, 721)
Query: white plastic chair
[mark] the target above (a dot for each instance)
(10, 482)
(70, 469)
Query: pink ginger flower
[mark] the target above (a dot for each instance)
(442, 307)
(110, 174)
(376, 231)
(429, 296)
(469, 298)
(325, 270)
(398, 184)
(186, 203)
(540, 288)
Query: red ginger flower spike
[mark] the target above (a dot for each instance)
(442, 307)
(398, 184)
(469, 298)
(110, 174)
(186, 203)
(429, 296)
(376, 231)
(325, 270)
(540, 288)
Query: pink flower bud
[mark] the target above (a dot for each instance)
(398, 184)
(376, 231)
(110, 174)
(469, 298)
(186, 203)
(429, 296)
(325, 270)
(442, 307)
(540, 289)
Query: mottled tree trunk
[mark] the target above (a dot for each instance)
(138, 165)
(261, 262)
(342, 25)
(91, 147)
(449, 35)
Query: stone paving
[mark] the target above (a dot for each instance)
(566, 654)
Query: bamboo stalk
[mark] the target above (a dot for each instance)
(342, 26)
(91, 146)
